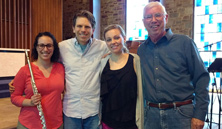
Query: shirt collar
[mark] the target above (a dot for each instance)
(167, 36)
(77, 43)
(81, 48)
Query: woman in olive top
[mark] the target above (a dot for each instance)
(121, 85)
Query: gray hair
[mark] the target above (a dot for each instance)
(154, 4)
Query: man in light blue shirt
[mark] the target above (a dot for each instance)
(81, 58)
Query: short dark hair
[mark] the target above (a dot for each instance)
(55, 55)
(86, 14)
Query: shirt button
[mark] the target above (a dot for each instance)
(157, 80)
(156, 57)
(156, 68)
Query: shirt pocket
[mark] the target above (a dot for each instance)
(173, 62)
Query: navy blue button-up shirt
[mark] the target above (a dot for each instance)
(172, 70)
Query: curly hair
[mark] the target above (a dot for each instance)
(55, 55)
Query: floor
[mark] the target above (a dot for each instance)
(215, 112)
(9, 115)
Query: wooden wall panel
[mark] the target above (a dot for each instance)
(47, 16)
(22, 20)
(14, 26)
(1, 29)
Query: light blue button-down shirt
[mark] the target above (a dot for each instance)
(81, 48)
(82, 69)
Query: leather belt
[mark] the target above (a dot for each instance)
(169, 105)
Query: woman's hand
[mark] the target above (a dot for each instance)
(35, 99)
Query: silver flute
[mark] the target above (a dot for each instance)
(35, 91)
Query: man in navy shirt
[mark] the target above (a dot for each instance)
(175, 81)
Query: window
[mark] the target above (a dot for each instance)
(208, 38)
(135, 29)
(208, 32)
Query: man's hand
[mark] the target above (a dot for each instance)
(11, 87)
(104, 56)
(197, 124)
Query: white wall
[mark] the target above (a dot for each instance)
(11, 60)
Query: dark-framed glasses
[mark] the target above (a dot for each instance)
(157, 16)
(42, 46)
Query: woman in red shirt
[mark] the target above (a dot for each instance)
(49, 79)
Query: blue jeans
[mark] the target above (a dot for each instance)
(78, 123)
(173, 118)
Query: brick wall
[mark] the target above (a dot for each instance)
(113, 12)
(180, 16)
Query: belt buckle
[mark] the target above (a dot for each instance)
(159, 106)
